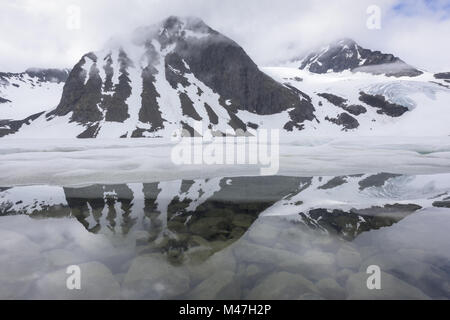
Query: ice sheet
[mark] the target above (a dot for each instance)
(78, 162)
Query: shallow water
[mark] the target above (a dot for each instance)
(229, 238)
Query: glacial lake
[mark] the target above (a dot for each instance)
(277, 237)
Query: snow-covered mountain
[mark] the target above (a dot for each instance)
(368, 104)
(179, 73)
(167, 77)
(346, 54)
(29, 92)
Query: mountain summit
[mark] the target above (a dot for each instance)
(346, 54)
(181, 73)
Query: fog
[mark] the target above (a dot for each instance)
(50, 33)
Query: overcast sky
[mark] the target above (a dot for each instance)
(44, 33)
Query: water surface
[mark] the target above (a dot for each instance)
(229, 238)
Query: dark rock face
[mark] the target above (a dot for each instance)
(376, 180)
(4, 76)
(212, 58)
(90, 132)
(336, 100)
(384, 106)
(443, 75)
(38, 75)
(2, 100)
(83, 95)
(115, 105)
(345, 120)
(346, 54)
(224, 66)
(333, 183)
(175, 69)
(188, 107)
(150, 112)
(213, 118)
(442, 204)
(299, 114)
(12, 126)
(355, 110)
(348, 225)
(80, 98)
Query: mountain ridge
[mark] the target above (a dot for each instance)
(175, 74)
(181, 56)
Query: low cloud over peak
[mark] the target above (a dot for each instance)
(48, 33)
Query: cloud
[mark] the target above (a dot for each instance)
(36, 33)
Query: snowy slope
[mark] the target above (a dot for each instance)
(30, 92)
(164, 78)
(425, 99)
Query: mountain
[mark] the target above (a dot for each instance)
(346, 54)
(169, 76)
(371, 104)
(180, 73)
(26, 95)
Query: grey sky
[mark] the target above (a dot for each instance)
(35, 32)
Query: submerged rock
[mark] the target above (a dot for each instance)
(282, 286)
(63, 258)
(442, 204)
(152, 277)
(314, 264)
(330, 289)
(263, 233)
(223, 260)
(220, 285)
(348, 257)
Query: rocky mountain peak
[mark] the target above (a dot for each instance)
(173, 30)
(177, 25)
(346, 54)
(170, 76)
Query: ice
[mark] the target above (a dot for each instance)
(79, 162)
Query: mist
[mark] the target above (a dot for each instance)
(42, 33)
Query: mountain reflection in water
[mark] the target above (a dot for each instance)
(239, 237)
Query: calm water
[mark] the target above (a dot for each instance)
(229, 238)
